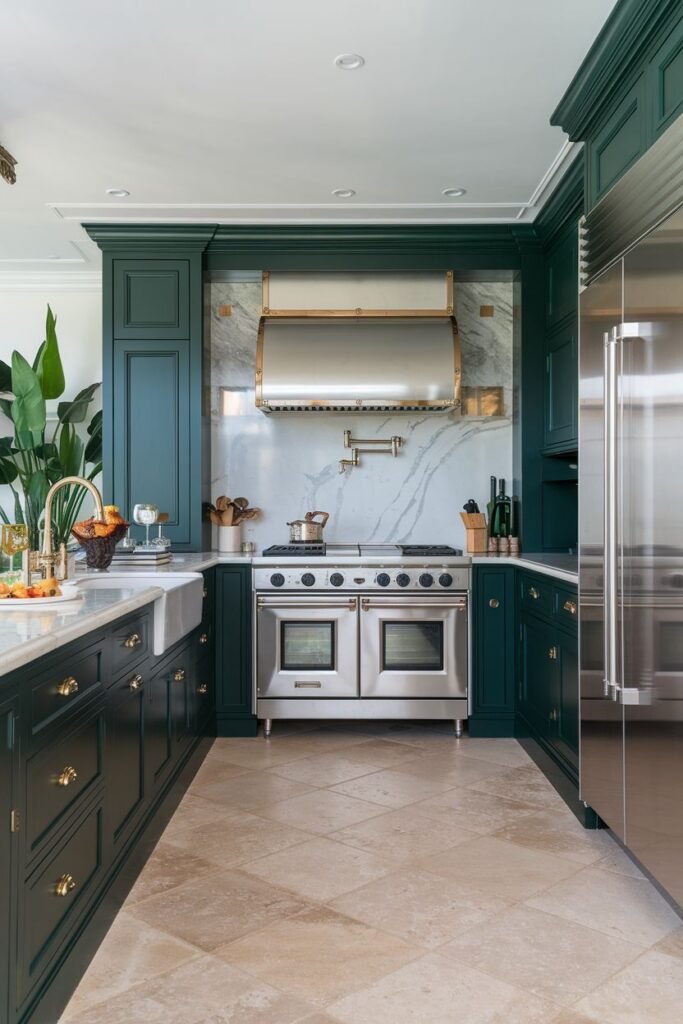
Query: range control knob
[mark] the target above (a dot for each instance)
(384, 579)
(676, 581)
(336, 579)
(403, 579)
(308, 579)
(277, 580)
(445, 579)
(426, 579)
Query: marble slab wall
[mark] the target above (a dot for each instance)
(288, 463)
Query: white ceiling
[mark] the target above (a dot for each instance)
(233, 111)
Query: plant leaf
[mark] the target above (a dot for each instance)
(93, 449)
(5, 376)
(6, 406)
(48, 362)
(28, 407)
(38, 486)
(70, 451)
(8, 471)
(6, 447)
(76, 410)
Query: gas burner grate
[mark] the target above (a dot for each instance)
(295, 550)
(428, 550)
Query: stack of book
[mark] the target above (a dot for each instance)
(141, 556)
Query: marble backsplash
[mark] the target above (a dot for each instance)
(288, 463)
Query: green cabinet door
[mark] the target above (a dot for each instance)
(493, 698)
(617, 143)
(153, 448)
(561, 390)
(233, 682)
(665, 80)
(159, 724)
(567, 720)
(151, 299)
(538, 683)
(8, 716)
(125, 754)
(562, 278)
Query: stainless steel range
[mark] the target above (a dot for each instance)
(362, 631)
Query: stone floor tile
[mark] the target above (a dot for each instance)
(527, 785)
(672, 944)
(564, 836)
(628, 908)
(477, 812)
(237, 840)
(391, 788)
(256, 753)
(453, 770)
(385, 753)
(195, 810)
(648, 991)
(617, 860)
(501, 751)
(320, 811)
(434, 990)
(329, 768)
(319, 955)
(419, 907)
(402, 837)
(166, 868)
(216, 908)
(500, 868)
(253, 790)
(556, 959)
(320, 869)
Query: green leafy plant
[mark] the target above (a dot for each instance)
(30, 461)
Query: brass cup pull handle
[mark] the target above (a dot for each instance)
(132, 641)
(67, 776)
(534, 593)
(135, 682)
(570, 606)
(552, 653)
(179, 675)
(204, 638)
(65, 885)
(202, 688)
(67, 687)
(494, 602)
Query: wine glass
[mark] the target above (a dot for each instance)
(14, 540)
(145, 515)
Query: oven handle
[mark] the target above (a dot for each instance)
(401, 602)
(350, 603)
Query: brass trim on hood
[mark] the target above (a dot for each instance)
(358, 310)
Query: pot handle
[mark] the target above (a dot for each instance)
(310, 516)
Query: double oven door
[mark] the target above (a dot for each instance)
(384, 646)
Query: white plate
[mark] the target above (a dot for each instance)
(70, 594)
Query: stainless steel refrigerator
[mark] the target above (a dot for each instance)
(631, 511)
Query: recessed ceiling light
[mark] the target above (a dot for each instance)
(118, 193)
(344, 193)
(349, 61)
(453, 193)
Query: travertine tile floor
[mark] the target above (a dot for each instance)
(377, 873)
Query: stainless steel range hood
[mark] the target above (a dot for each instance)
(355, 363)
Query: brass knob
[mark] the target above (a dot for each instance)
(534, 593)
(204, 638)
(202, 688)
(65, 885)
(570, 606)
(67, 776)
(132, 641)
(67, 687)
(135, 682)
(205, 591)
(179, 675)
(552, 653)
(494, 602)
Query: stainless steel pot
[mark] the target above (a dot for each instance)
(307, 529)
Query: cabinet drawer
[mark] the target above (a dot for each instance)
(59, 774)
(536, 595)
(566, 607)
(63, 687)
(55, 896)
(129, 642)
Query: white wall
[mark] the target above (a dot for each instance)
(79, 330)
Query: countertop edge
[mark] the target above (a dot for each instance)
(527, 563)
(22, 655)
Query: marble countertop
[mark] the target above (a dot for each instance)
(27, 634)
(562, 567)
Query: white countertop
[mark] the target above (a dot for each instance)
(561, 567)
(33, 632)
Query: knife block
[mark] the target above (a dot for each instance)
(477, 532)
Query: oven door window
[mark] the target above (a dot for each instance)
(412, 646)
(307, 645)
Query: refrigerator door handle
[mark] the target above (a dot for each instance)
(610, 685)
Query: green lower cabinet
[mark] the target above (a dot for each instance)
(234, 686)
(8, 717)
(125, 753)
(493, 694)
(566, 736)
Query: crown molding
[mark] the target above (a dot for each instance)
(52, 280)
(566, 203)
(621, 45)
(151, 237)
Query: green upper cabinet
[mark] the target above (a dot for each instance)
(561, 392)
(151, 299)
(665, 80)
(618, 143)
(562, 278)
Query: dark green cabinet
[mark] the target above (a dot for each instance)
(125, 753)
(618, 143)
(493, 696)
(151, 299)
(8, 737)
(562, 278)
(665, 79)
(234, 687)
(561, 387)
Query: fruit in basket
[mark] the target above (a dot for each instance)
(112, 524)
